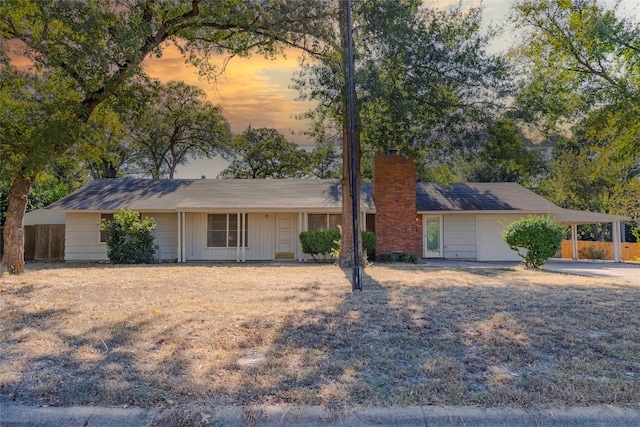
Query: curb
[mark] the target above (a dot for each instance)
(12, 415)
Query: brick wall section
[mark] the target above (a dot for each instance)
(398, 228)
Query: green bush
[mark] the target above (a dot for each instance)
(326, 243)
(320, 243)
(368, 242)
(406, 257)
(131, 239)
(540, 236)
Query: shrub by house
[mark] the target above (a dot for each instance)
(130, 238)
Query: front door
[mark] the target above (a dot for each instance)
(432, 226)
(285, 233)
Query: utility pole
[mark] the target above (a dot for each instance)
(353, 160)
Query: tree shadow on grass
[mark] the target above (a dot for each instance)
(421, 344)
(424, 340)
(98, 367)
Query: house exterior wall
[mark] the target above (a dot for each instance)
(82, 238)
(459, 236)
(166, 234)
(398, 227)
(491, 246)
(260, 234)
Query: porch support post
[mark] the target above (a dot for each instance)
(238, 235)
(574, 241)
(184, 237)
(183, 243)
(298, 244)
(179, 237)
(617, 240)
(244, 236)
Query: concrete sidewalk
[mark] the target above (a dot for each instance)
(16, 415)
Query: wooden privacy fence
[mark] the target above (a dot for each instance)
(592, 250)
(44, 242)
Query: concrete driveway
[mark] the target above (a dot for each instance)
(616, 270)
(621, 271)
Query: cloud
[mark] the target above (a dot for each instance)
(251, 91)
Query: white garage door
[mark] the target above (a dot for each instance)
(490, 244)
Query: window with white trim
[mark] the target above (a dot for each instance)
(222, 230)
(323, 221)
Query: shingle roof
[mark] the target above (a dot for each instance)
(492, 196)
(157, 195)
(499, 196)
(181, 194)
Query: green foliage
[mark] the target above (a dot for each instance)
(368, 241)
(325, 162)
(504, 157)
(131, 239)
(584, 175)
(425, 82)
(405, 257)
(541, 237)
(635, 232)
(326, 243)
(46, 191)
(38, 121)
(320, 243)
(175, 124)
(581, 55)
(264, 153)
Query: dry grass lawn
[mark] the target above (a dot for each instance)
(160, 336)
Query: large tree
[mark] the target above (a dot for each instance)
(505, 156)
(264, 153)
(106, 149)
(38, 114)
(581, 66)
(175, 124)
(426, 84)
(96, 47)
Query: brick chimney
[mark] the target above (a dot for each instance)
(398, 227)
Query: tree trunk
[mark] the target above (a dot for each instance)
(347, 252)
(13, 233)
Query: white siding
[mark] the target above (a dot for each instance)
(166, 234)
(260, 234)
(82, 238)
(459, 236)
(43, 216)
(491, 245)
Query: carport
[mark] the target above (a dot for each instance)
(574, 218)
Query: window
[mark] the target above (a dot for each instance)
(222, 231)
(104, 235)
(324, 221)
(335, 220)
